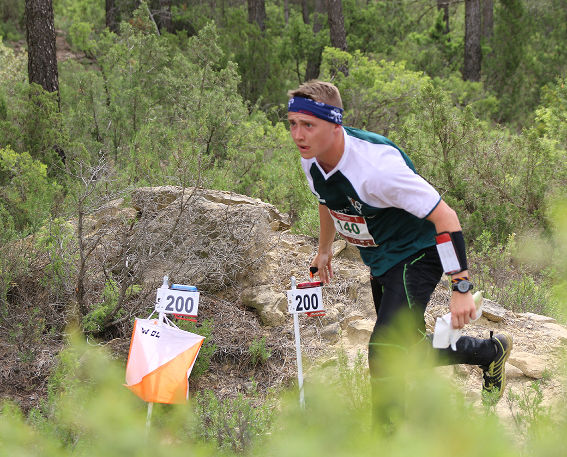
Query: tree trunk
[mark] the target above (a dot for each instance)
(161, 11)
(337, 24)
(257, 13)
(286, 11)
(487, 18)
(314, 59)
(473, 53)
(305, 11)
(40, 36)
(337, 31)
(444, 5)
(111, 15)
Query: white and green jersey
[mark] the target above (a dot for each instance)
(376, 199)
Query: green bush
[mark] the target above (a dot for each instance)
(233, 424)
(97, 317)
(377, 95)
(55, 247)
(27, 194)
(495, 180)
(259, 353)
(88, 411)
(70, 12)
(208, 348)
(354, 382)
(33, 124)
(508, 277)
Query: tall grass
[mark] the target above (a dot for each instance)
(90, 413)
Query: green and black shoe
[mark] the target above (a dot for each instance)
(495, 373)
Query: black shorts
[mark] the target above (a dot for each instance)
(407, 285)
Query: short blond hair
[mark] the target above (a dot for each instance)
(320, 91)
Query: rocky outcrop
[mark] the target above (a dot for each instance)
(216, 239)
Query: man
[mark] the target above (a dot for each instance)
(369, 191)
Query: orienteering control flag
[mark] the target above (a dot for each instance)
(160, 360)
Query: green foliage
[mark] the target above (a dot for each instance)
(33, 124)
(56, 240)
(469, 94)
(270, 171)
(432, 51)
(89, 412)
(12, 23)
(234, 424)
(12, 68)
(377, 95)
(94, 321)
(208, 347)
(81, 36)
(495, 180)
(26, 192)
(89, 13)
(354, 382)
(517, 70)
(369, 35)
(527, 408)
(551, 116)
(308, 220)
(259, 353)
(502, 275)
(558, 246)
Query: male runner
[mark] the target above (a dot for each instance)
(369, 191)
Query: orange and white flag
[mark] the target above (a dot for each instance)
(160, 360)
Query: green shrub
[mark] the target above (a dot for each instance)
(33, 124)
(70, 12)
(26, 193)
(97, 317)
(527, 408)
(377, 95)
(56, 240)
(233, 424)
(208, 348)
(259, 353)
(508, 278)
(354, 383)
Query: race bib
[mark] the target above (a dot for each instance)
(353, 229)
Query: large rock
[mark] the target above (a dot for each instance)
(556, 331)
(207, 238)
(537, 317)
(531, 365)
(271, 305)
(493, 311)
(359, 331)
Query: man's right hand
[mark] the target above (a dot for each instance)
(323, 263)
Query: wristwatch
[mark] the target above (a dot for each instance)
(462, 285)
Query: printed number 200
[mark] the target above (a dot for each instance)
(306, 302)
(180, 304)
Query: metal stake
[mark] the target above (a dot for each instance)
(298, 352)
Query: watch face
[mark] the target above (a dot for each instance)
(464, 286)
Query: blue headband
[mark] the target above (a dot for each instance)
(321, 110)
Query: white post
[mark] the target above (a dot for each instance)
(298, 352)
(149, 418)
(161, 320)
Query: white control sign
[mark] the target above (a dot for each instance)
(305, 300)
(177, 302)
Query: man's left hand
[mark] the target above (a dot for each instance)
(462, 309)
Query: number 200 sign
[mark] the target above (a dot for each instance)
(177, 302)
(305, 300)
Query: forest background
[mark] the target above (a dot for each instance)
(183, 93)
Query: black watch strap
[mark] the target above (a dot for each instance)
(462, 285)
